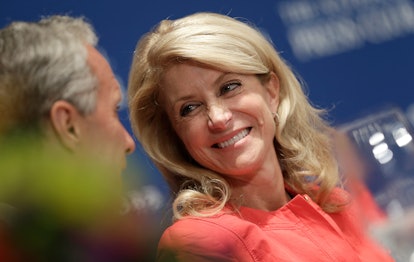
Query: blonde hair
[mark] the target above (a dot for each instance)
(301, 139)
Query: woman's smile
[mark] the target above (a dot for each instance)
(242, 134)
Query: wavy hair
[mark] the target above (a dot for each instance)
(228, 44)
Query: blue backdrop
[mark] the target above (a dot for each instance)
(354, 56)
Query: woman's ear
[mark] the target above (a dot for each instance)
(273, 87)
(64, 118)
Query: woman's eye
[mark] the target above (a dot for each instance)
(229, 87)
(186, 109)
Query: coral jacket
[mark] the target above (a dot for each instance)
(298, 231)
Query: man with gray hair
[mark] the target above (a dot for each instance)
(55, 83)
(62, 148)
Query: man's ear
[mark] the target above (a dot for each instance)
(64, 118)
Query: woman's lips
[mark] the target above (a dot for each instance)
(234, 139)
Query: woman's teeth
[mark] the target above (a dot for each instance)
(234, 139)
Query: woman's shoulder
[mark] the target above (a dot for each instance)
(203, 238)
(222, 224)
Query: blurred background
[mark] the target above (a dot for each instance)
(355, 57)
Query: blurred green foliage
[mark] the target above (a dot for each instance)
(54, 207)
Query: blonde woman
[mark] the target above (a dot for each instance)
(248, 158)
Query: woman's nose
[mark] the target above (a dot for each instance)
(218, 116)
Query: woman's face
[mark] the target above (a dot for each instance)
(224, 119)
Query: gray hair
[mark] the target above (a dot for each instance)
(43, 62)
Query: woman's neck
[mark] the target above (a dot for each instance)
(264, 190)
